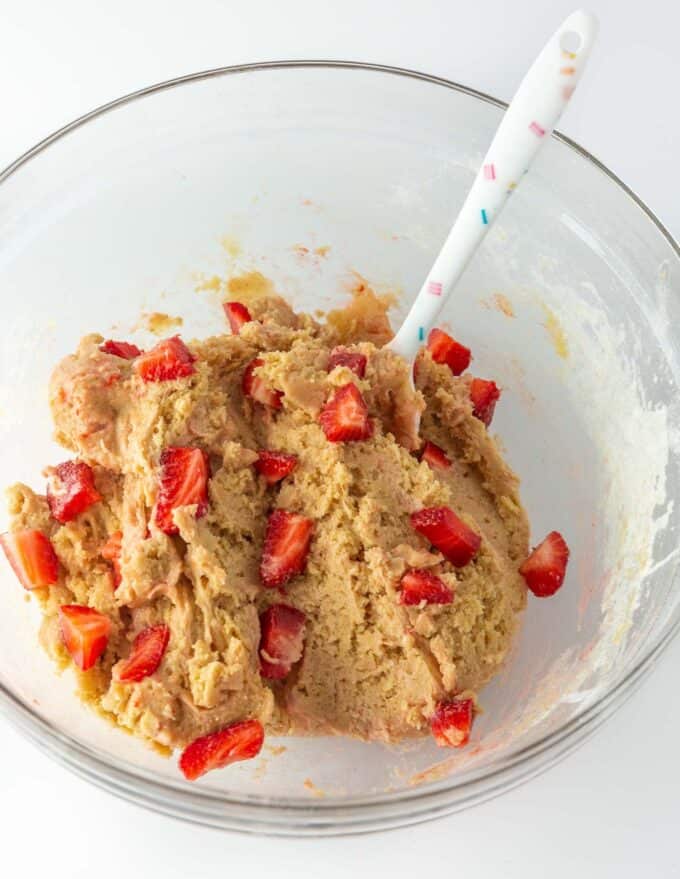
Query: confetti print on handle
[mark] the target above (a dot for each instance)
(421, 334)
(435, 288)
(485, 219)
(489, 172)
(537, 129)
(567, 71)
(567, 92)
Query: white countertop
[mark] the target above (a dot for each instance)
(610, 809)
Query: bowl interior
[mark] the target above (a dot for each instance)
(568, 306)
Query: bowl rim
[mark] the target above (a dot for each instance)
(342, 814)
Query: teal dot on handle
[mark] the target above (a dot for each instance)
(485, 220)
(421, 334)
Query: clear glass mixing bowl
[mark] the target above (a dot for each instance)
(571, 304)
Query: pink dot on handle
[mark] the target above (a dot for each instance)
(537, 129)
(435, 288)
(489, 172)
(567, 92)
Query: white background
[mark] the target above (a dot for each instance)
(613, 807)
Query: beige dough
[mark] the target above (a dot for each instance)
(372, 668)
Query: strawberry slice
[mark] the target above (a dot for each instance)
(126, 350)
(85, 632)
(286, 545)
(71, 490)
(32, 557)
(275, 466)
(353, 360)
(256, 387)
(419, 585)
(111, 552)
(147, 651)
(238, 741)
(545, 568)
(451, 536)
(168, 360)
(484, 395)
(451, 722)
(183, 480)
(444, 349)
(237, 314)
(281, 640)
(435, 457)
(344, 418)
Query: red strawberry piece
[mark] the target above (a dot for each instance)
(275, 466)
(32, 557)
(111, 552)
(85, 632)
(286, 545)
(484, 395)
(237, 314)
(445, 531)
(344, 418)
(238, 741)
(257, 388)
(545, 568)
(444, 349)
(420, 585)
(147, 651)
(451, 722)
(183, 481)
(353, 360)
(168, 360)
(126, 350)
(435, 457)
(71, 490)
(281, 641)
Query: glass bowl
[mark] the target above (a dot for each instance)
(570, 305)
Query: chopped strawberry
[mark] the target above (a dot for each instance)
(85, 632)
(238, 741)
(111, 552)
(484, 395)
(419, 585)
(444, 349)
(71, 490)
(353, 360)
(32, 557)
(286, 545)
(344, 418)
(281, 641)
(451, 536)
(183, 481)
(147, 651)
(168, 360)
(545, 568)
(256, 387)
(275, 466)
(451, 722)
(435, 457)
(237, 315)
(126, 350)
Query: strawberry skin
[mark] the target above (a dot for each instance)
(353, 360)
(147, 651)
(444, 349)
(183, 480)
(545, 568)
(275, 466)
(32, 557)
(419, 585)
(484, 396)
(111, 552)
(451, 536)
(238, 741)
(237, 315)
(344, 418)
(435, 457)
(85, 632)
(451, 722)
(71, 490)
(282, 638)
(170, 359)
(286, 546)
(257, 389)
(126, 350)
